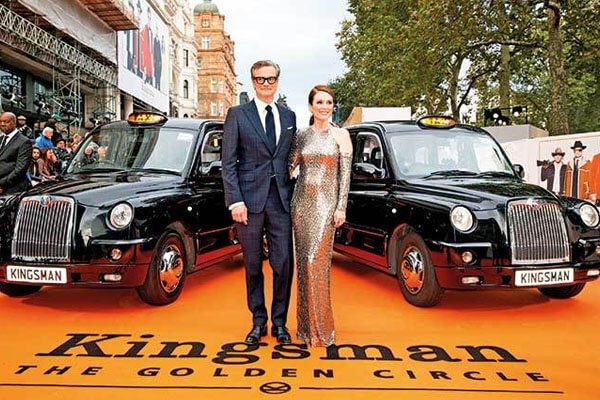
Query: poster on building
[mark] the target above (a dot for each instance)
(144, 57)
(568, 165)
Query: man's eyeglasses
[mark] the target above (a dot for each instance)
(262, 79)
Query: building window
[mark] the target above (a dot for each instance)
(213, 109)
(213, 85)
(221, 86)
(221, 109)
(205, 43)
(186, 89)
(205, 23)
(186, 57)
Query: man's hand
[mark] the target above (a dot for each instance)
(240, 214)
(339, 217)
(593, 197)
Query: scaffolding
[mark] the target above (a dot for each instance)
(70, 66)
(25, 36)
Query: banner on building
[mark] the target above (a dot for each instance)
(144, 57)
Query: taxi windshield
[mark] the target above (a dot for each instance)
(123, 148)
(431, 153)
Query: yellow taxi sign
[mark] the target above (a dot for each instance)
(146, 118)
(437, 122)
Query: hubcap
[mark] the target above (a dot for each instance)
(171, 268)
(412, 269)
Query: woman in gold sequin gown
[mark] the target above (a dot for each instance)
(323, 155)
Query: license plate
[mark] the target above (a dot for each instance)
(541, 277)
(17, 273)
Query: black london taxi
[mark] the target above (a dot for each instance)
(141, 205)
(438, 205)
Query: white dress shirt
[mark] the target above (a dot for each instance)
(556, 182)
(261, 107)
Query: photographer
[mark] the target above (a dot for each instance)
(553, 172)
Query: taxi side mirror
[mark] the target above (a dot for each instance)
(518, 168)
(367, 170)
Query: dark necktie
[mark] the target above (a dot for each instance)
(270, 127)
(2, 141)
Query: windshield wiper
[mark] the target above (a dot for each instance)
(157, 170)
(500, 174)
(451, 172)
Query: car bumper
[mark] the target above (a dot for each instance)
(131, 268)
(489, 272)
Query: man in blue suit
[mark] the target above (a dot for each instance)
(256, 143)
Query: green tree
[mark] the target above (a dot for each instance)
(432, 55)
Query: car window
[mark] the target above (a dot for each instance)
(124, 148)
(368, 149)
(424, 152)
(211, 154)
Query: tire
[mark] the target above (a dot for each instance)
(14, 290)
(166, 273)
(562, 292)
(416, 273)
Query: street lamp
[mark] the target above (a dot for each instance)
(498, 118)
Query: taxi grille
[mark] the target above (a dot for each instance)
(43, 229)
(538, 234)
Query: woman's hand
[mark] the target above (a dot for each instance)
(339, 217)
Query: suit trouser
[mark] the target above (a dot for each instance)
(276, 221)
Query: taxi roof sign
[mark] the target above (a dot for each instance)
(437, 122)
(146, 118)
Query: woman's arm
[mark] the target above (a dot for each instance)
(342, 138)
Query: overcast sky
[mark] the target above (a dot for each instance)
(299, 35)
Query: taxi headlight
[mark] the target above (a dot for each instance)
(589, 215)
(462, 219)
(120, 216)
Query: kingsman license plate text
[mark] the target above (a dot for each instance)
(544, 277)
(17, 273)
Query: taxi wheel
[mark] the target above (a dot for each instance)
(12, 290)
(562, 292)
(166, 273)
(416, 274)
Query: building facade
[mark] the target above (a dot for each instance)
(217, 82)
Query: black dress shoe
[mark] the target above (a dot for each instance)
(255, 334)
(282, 334)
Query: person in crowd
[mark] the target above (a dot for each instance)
(76, 139)
(44, 141)
(256, 143)
(50, 166)
(61, 151)
(23, 128)
(35, 166)
(323, 153)
(51, 123)
(554, 173)
(89, 156)
(577, 176)
(15, 156)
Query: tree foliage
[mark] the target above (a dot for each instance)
(435, 55)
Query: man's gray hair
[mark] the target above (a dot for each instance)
(264, 63)
(47, 129)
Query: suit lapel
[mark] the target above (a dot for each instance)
(7, 145)
(252, 114)
(283, 123)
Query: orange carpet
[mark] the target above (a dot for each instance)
(56, 345)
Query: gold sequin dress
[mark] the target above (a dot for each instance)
(321, 189)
